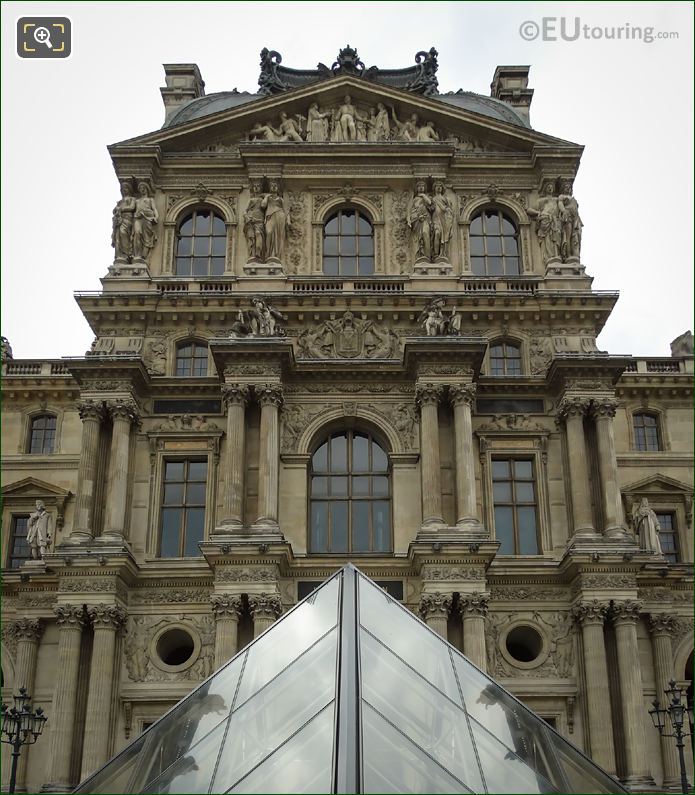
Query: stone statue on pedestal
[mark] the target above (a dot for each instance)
(39, 531)
(647, 528)
(145, 222)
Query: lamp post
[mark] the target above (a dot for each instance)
(20, 726)
(676, 711)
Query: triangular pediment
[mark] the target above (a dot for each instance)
(657, 484)
(349, 692)
(28, 488)
(489, 129)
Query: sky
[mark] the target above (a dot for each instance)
(628, 101)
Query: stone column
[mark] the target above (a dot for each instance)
(106, 620)
(591, 616)
(473, 608)
(661, 627)
(625, 617)
(572, 411)
(270, 398)
(226, 609)
(265, 610)
(91, 414)
(427, 397)
(70, 620)
(434, 609)
(236, 397)
(603, 411)
(27, 634)
(461, 397)
(124, 414)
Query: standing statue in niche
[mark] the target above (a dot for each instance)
(419, 220)
(254, 223)
(570, 223)
(276, 222)
(442, 223)
(144, 224)
(647, 527)
(39, 531)
(547, 217)
(122, 225)
(317, 124)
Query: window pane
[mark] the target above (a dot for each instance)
(173, 470)
(348, 245)
(381, 524)
(494, 245)
(320, 460)
(511, 247)
(183, 267)
(218, 227)
(495, 266)
(217, 266)
(218, 246)
(319, 526)
(197, 470)
(504, 529)
(524, 492)
(183, 248)
(330, 246)
(380, 462)
(339, 453)
(171, 532)
(523, 469)
(319, 487)
(186, 227)
(364, 227)
(331, 227)
(330, 266)
(477, 225)
(360, 487)
(200, 266)
(366, 266)
(477, 246)
(512, 266)
(492, 223)
(195, 494)
(508, 227)
(201, 246)
(360, 453)
(478, 266)
(500, 469)
(366, 245)
(380, 487)
(360, 526)
(339, 526)
(339, 487)
(528, 543)
(348, 266)
(348, 222)
(202, 222)
(173, 494)
(502, 492)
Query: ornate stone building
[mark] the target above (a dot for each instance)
(347, 319)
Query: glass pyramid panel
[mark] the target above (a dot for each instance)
(349, 692)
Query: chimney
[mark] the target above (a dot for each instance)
(183, 83)
(510, 84)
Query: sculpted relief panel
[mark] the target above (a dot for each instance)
(348, 338)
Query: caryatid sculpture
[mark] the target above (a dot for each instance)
(570, 223)
(145, 222)
(419, 219)
(39, 531)
(122, 224)
(547, 215)
(647, 527)
(442, 223)
(276, 222)
(254, 223)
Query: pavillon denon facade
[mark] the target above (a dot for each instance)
(347, 319)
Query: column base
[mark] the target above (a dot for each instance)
(78, 537)
(57, 788)
(471, 526)
(640, 784)
(618, 533)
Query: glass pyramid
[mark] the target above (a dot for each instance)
(349, 692)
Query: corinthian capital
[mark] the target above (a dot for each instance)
(626, 612)
(91, 410)
(592, 612)
(428, 394)
(106, 616)
(269, 394)
(662, 623)
(265, 605)
(474, 604)
(574, 406)
(69, 616)
(462, 393)
(123, 410)
(25, 629)
(226, 606)
(604, 407)
(235, 394)
(435, 605)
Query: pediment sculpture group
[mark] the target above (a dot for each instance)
(134, 224)
(345, 123)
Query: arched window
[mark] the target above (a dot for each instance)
(192, 359)
(350, 495)
(505, 359)
(348, 244)
(42, 434)
(201, 241)
(646, 428)
(494, 244)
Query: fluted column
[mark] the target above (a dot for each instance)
(661, 627)
(461, 397)
(434, 609)
(226, 609)
(473, 608)
(572, 411)
(123, 414)
(27, 633)
(236, 397)
(91, 414)
(70, 619)
(625, 617)
(427, 397)
(591, 617)
(604, 411)
(265, 610)
(270, 398)
(107, 620)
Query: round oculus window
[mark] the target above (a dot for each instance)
(175, 647)
(524, 644)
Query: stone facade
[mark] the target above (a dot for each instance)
(224, 386)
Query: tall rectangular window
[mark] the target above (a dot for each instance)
(646, 430)
(668, 536)
(183, 508)
(514, 500)
(19, 550)
(43, 434)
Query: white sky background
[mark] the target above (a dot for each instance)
(628, 102)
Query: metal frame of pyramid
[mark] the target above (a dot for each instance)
(349, 692)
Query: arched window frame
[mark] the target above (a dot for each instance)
(658, 417)
(516, 213)
(179, 210)
(351, 476)
(507, 342)
(182, 343)
(32, 419)
(335, 239)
